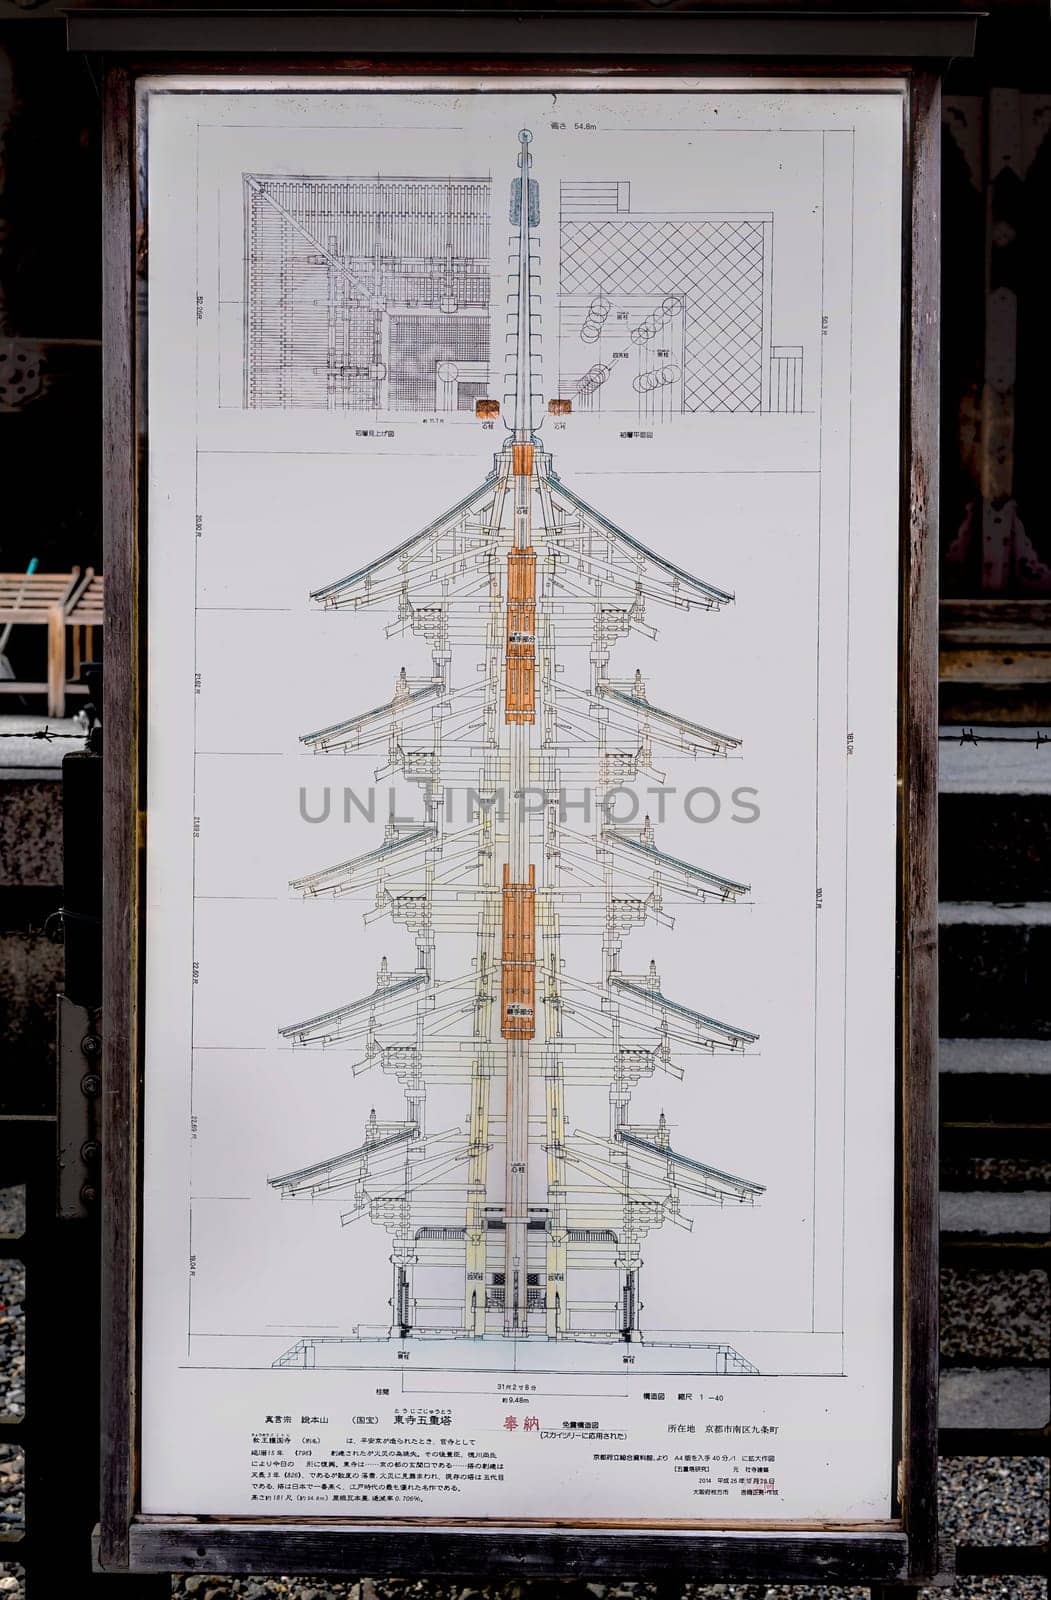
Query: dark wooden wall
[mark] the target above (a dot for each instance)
(996, 348)
(49, 300)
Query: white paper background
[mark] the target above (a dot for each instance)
(798, 516)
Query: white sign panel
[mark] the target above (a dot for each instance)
(522, 586)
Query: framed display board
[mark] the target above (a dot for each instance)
(520, 1130)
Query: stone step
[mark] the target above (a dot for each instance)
(994, 760)
(993, 969)
(994, 1397)
(995, 1081)
(996, 1213)
(997, 1057)
(994, 813)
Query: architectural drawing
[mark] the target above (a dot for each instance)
(665, 314)
(523, 1219)
(366, 293)
(510, 1155)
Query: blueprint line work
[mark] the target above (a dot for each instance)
(366, 293)
(668, 313)
(516, 1224)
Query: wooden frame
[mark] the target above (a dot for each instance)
(902, 1551)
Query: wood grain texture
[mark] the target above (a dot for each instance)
(508, 1551)
(713, 32)
(885, 1555)
(249, 64)
(988, 624)
(918, 819)
(120, 1166)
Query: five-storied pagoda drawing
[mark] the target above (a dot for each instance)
(518, 1224)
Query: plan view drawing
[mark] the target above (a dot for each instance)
(366, 293)
(517, 1232)
(668, 313)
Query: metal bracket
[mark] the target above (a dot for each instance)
(79, 1087)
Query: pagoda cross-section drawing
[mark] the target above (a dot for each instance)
(517, 1231)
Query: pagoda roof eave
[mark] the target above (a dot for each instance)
(330, 590)
(379, 996)
(383, 852)
(660, 858)
(744, 1186)
(654, 997)
(718, 597)
(671, 717)
(321, 1168)
(388, 709)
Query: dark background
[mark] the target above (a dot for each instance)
(996, 492)
(995, 852)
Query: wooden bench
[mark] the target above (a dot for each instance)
(65, 603)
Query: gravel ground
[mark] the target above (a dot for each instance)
(12, 1489)
(286, 1588)
(1003, 1315)
(12, 1339)
(995, 1172)
(994, 1499)
(1011, 1588)
(991, 1589)
(12, 1586)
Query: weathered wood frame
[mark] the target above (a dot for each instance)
(901, 1551)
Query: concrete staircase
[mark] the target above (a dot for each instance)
(995, 1076)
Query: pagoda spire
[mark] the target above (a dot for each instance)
(525, 215)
